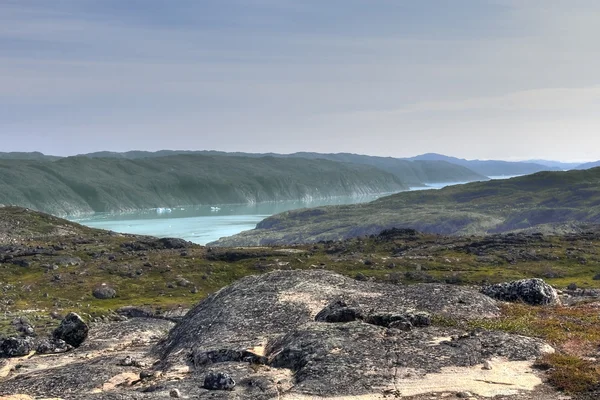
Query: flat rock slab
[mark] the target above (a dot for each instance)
(256, 309)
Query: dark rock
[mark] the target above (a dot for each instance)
(147, 375)
(136, 312)
(175, 243)
(16, 346)
(572, 286)
(203, 358)
(52, 346)
(218, 381)
(403, 321)
(104, 292)
(361, 277)
(531, 291)
(72, 329)
(339, 311)
(397, 233)
(21, 262)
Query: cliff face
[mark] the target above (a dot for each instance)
(79, 185)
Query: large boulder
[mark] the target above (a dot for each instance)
(531, 291)
(72, 329)
(16, 346)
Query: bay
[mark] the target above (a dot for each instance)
(207, 223)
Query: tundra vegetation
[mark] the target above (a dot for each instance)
(49, 267)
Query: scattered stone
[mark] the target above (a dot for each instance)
(23, 326)
(175, 393)
(487, 365)
(218, 381)
(174, 243)
(404, 321)
(181, 281)
(104, 292)
(464, 395)
(52, 346)
(68, 261)
(126, 362)
(16, 346)
(338, 311)
(572, 286)
(531, 291)
(55, 315)
(135, 312)
(146, 375)
(73, 330)
(361, 277)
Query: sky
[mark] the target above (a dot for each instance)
(487, 79)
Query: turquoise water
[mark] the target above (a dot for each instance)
(203, 224)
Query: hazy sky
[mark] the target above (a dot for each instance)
(510, 79)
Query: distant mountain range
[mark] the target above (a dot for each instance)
(109, 181)
(481, 167)
(491, 167)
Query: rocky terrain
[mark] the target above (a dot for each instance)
(295, 335)
(404, 315)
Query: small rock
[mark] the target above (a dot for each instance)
(104, 292)
(361, 277)
(175, 393)
(487, 365)
(73, 330)
(464, 395)
(218, 381)
(181, 281)
(126, 362)
(145, 375)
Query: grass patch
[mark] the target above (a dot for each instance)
(569, 373)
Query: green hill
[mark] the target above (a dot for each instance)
(77, 185)
(412, 173)
(545, 201)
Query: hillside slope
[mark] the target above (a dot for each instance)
(537, 201)
(412, 173)
(78, 185)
